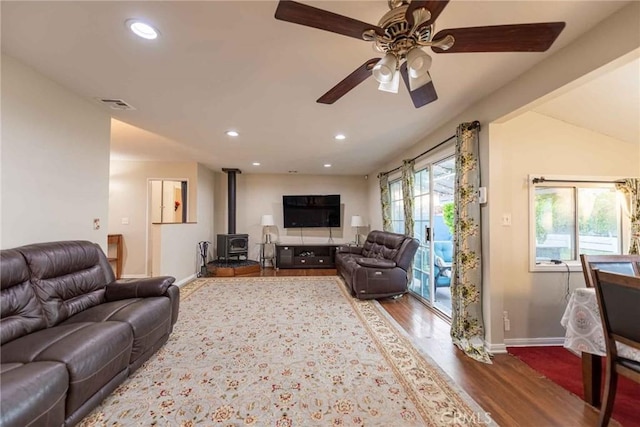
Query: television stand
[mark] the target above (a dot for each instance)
(296, 255)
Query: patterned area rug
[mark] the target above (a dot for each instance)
(285, 352)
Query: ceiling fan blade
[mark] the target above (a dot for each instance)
(502, 38)
(310, 16)
(434, 6)
(421, 96)
(352, 80)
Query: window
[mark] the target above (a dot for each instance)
(573, 218)
(397, 206)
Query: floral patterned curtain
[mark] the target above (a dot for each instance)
(407, 195)
(631, 187)
(385, 200)
(467, 328)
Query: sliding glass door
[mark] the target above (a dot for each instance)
(421, 229)
(433, 214)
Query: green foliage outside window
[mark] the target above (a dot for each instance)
(448, 215)
(602, 221)
(558, 209)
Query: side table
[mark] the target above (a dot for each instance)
(267, 252)
(116, 239)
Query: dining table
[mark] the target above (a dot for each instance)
(584, 335)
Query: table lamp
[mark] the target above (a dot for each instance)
(357, 222)
(266, 222)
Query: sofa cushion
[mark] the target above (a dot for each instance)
(148, 319)
(20, 312)
(382, 244)
(68, 276)
(93, 353)
(33, 394)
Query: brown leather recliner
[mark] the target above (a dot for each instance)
(70, 333)
(379, 268)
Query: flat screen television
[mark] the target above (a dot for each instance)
(311, 211)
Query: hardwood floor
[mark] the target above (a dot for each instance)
(513, 393)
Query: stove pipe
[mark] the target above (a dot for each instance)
(231, 198)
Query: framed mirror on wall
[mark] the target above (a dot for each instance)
(168, 201)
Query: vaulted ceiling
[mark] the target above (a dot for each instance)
(223, 65)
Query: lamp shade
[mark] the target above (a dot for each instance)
(267, 221)
(418, 82)
(384, 70)
(357, 221)
(418, 62)
(391, 86)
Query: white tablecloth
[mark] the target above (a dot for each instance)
(582, 321)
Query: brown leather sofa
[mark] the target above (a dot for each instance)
(378, 269)
(70, 333)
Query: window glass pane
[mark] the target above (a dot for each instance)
(598, 222)
(555, 223)
(417, 188)
(443, 183)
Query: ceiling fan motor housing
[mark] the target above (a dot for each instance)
(399, 37)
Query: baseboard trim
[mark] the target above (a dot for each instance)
(534, 342)
(495, 348)
(185, 280)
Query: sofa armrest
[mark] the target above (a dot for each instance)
(349, 250)
(376, 262)
(138, 288)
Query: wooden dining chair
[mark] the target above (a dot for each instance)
(623, 264)
(619, 302)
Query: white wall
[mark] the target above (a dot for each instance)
(536, 144)
(258, 195)
(55, 161)
(582, 57)
(178, 253)
(128, 198)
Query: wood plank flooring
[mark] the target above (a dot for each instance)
(513, 393)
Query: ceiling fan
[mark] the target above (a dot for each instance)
(403, 32)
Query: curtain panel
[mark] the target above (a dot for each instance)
(467, 327)
(408, 176)
(385, 200)
(631, 187)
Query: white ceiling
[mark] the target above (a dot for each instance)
(222, 65)
(609, 104)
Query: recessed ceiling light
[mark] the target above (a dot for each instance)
(256, 163)
(232, 133)
(327, 165)
(142, 29)
(340, 137)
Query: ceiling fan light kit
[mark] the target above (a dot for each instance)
(401, 34)
(391, 86)
(385, 69)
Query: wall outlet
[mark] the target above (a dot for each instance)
(507, 324)
(125, 221)
(506, 219)
(96, 223)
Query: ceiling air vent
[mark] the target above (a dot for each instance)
(116, 104)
